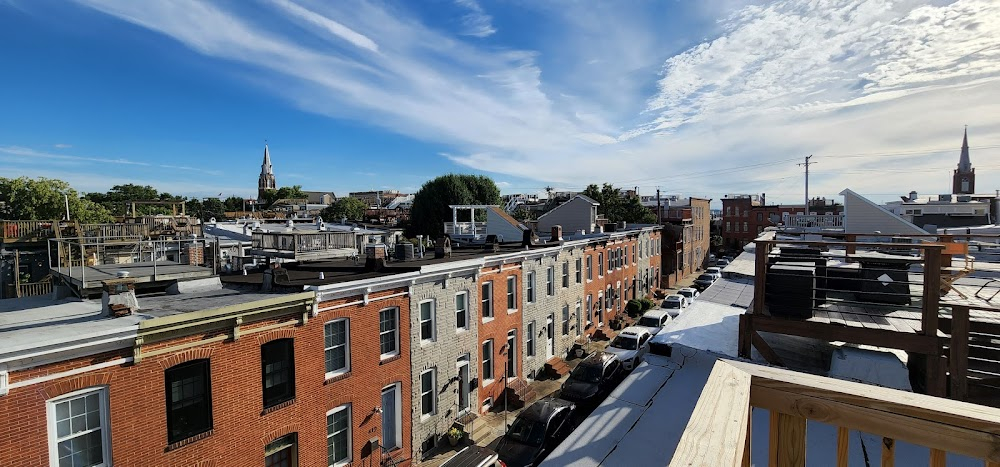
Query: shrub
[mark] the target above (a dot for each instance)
(633, 307)
(646, 303)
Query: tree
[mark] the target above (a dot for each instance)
(285, 192)
(618, 208)
(234, 203)
(522, 214)
(430, 205)
(351, 208)
(116, 199)
(43, 198)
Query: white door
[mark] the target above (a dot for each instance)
(550, 337)
(463, 384)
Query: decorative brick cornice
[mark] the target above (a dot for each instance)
(186, 356)
(276, 334)
(58, 388)
(279, 432)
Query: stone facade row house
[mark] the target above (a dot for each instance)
(366, 369)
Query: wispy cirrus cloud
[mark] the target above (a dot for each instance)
(62, 146)
(769, 83)
(476, 22)
(28, 155)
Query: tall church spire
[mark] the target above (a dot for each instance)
(964, 165)
(963, 180)
(266, 180)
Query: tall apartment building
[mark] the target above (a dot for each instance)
(338, 362)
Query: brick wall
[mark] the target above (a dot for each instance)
(545, 306)
(498, 327)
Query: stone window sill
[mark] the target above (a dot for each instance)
(189, 440)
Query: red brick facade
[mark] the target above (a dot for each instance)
(498, 327)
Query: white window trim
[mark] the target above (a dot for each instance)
(347, 347)
(50, 409)
(600, 265)
(396, 351)
(529, 339)
(466, 295)
(483, 301)
(489, 381)
(433, 320)
(550, 281)
(511, 292)
(529, 284)
(350, 441)
(433, 392)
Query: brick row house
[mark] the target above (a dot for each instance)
(363, 367)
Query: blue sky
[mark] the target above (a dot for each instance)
(694, 97)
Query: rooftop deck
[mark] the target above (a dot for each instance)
(921, 298)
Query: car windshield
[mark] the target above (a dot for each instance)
(705, 277)
(624, 342)
(687, 293)
(530, 432)
(649, 321)
(671, 304)
(587, 374)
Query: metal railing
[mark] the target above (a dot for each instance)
(719, 430)
(73, 257)
(465, 228)
(813, 220)
(301, 242)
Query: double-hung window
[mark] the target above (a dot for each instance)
(189, 400)
(590, 268)
(511, 293)
(579, 270)
(388, 332)
(428, 322)
(550, 278)
(487, 360)
(277, 371)
(462, 310)
(531, 287)
(79, 428)
(625, 256)
(565, 277)
(428, 393)
(337, 346)
(529, 339)
(487, 298)
(565, 320)
(600, 264)
(338, 436)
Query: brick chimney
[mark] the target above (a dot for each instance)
(374, 256)
(118, 297)
(557, 233)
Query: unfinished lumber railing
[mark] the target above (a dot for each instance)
(973, 352)
(719, 431)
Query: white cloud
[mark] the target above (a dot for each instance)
(476, 22)
(62, 146)
(772, 83)
(28, 155)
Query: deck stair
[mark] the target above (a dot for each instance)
(556, 368)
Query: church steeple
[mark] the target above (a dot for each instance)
(266, 180)
(964, 178)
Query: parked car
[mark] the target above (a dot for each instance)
(723, 262)
(537, 430)
(593, 379)
(690, 293)
(703, 281)
(630, 345)
(473, 456)
(674, 304)
(654, 320)
(715, 271)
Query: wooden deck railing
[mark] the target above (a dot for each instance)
(115, 230)
(27, 231)
(719, 431)
(33, 289)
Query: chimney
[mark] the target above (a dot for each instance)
(556, 233)
(375, 256)
(763, 199)
(913, 195)
(118, 296)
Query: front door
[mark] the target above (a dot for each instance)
(512, 352)
(390, 398)
(463, 384)
(550, 337)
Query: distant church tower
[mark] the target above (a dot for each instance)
(266, 180)
(964, 178)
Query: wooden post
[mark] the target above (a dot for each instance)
(842, 446)
(938, 458)
(760, 276)
(851, 249)
(959, 348)
(929, 322)
(946, 259)
(888, 452)
(788, 440)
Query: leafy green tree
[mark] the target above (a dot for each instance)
(234, 203)
(617, 207)
(351, 208)
(117, 198)
(285, 192)
(41, 198)
(522, 214)
(430, 205)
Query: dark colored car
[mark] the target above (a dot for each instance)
(593, 379)
(703, 281)
(537, 430)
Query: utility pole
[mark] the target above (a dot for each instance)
(659, 211)
(807, 164)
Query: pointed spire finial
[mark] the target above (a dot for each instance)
(964, 164)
